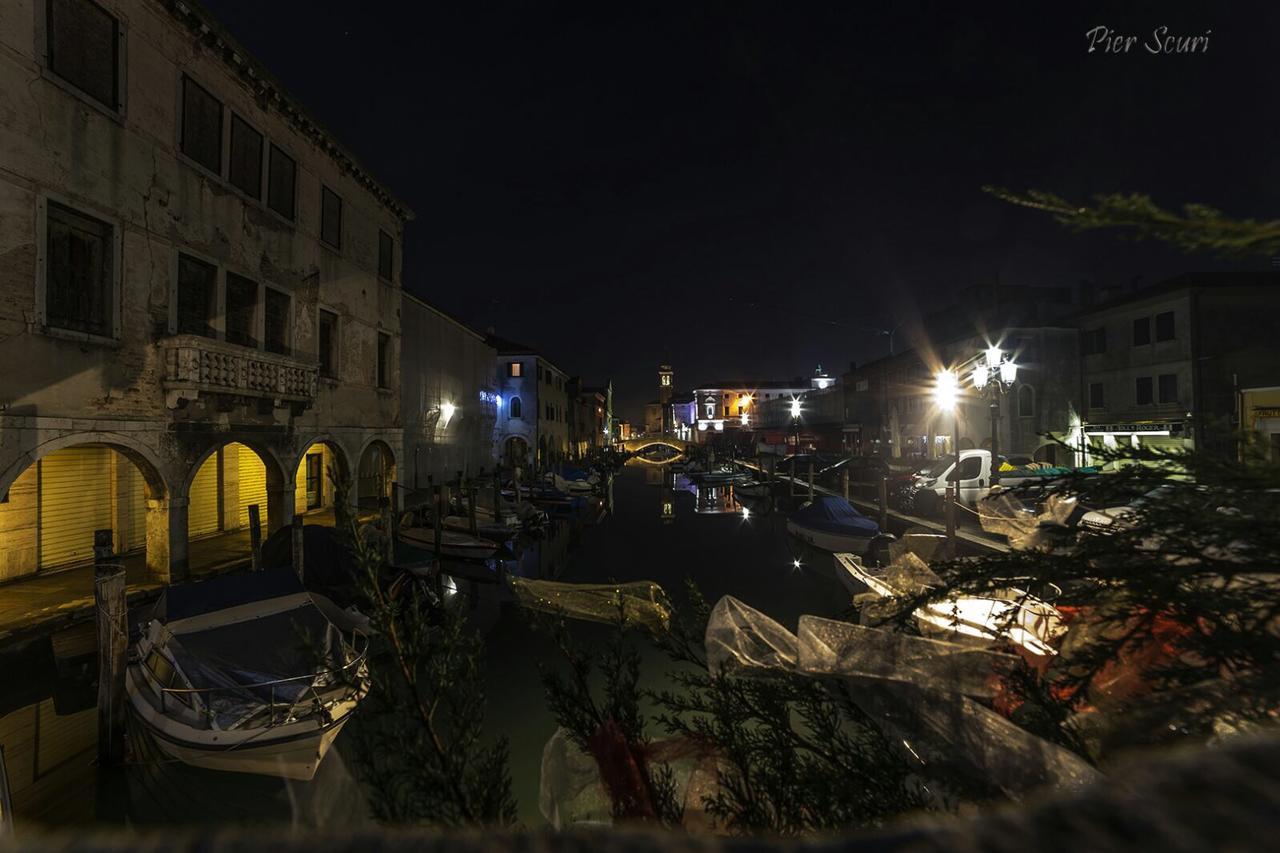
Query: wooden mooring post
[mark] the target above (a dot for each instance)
(297, 546)
(810, 478)
(439, 519)
(844, 482)
(497, 493)
(950, 509)
(884, 503)
(255, 537)
(472, 495)
(112, 609)
(388, 535)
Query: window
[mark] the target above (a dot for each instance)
(1095, 341)
(79, 272)
(384, 360)
(726, 411)
(540, 377)
(515, 369)
(1097, 399)
(386, 255)
(330, 217)
(1164, 326)
(1142, 391)
(201, 126)
(84, 49)
(245, 170)
(1026, 401)
(242, 310)
(1168, 386)
(281, 176)
(328, 344)
(197, 296)
(1141, 331)
(970, 469)
(515, 408)
(276, 321)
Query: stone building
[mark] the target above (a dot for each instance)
(590, 410)
(448, 396)
(533, 419)
(199, 291)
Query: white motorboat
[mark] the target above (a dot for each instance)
(832, 524)
(453, 543)
(570, 487)
(485, 530)
(222, 679)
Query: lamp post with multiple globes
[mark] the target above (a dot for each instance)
(994, 374)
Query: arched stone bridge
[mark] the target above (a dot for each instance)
(638, 445)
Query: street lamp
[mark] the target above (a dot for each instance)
(795, 426)
(946, 393)
(995, 374)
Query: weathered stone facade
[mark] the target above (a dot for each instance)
(165, 400)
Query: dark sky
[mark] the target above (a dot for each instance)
(747, 189)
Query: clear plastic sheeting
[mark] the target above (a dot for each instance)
(914, 688)
(742, 638)
(1009, 615)
(1024, 527)
(924, 545)
(570, 791)
(829, 647)
(641, 603)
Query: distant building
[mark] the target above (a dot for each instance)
(733, 411)
(589, 409)
(448, 395)
(533, 421)
(1185, 363)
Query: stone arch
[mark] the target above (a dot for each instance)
(336, 465)
(515, 408)
(966, 443)
(153, 511)
(375, 473)
(1046, 453)
(515, 448)
(233, 513)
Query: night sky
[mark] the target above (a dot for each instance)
(747, 189)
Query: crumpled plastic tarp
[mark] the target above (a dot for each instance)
(642, 603)
(1022, 528)
(934, 720)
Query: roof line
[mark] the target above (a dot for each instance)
(251, 72)
(446, 315)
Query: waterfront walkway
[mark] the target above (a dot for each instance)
(56, 600)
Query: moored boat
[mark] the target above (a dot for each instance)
(222, 680)
(831, 523)
(453, 543)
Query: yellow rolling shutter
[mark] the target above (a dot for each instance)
(253, 485)
(131, 500)
(75, 500)
(202, 511)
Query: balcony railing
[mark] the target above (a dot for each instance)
(195, 365)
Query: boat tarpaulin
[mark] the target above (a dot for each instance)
(232, 663)
(183, 601)
(834, 515)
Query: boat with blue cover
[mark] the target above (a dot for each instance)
(832, 524)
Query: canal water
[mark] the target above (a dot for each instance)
(660, 529)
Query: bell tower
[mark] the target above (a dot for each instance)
(666, 380)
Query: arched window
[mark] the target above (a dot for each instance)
(1026, 401)
(515, 407)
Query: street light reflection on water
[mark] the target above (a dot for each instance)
(47, 706)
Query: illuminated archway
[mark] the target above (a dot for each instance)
(57, 495)
(321, 474)
(375, 474)
(226, 481)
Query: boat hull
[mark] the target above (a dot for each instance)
(292, 750)
(825, 540)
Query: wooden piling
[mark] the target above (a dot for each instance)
(810, 478)
(884, 503)
(111, 607)
(439, 521)
(388, 535)
(497, 493)
(472, 495)
(844, 481)
(255, 537)
(298, 548)
(950, 509)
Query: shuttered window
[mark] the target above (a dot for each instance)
(242, 310)
(197, 296)
(276, 307)
(201, 126)
(282, 174)
(79, 272)
(330, 217)
(245, 169)
(84, 48)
